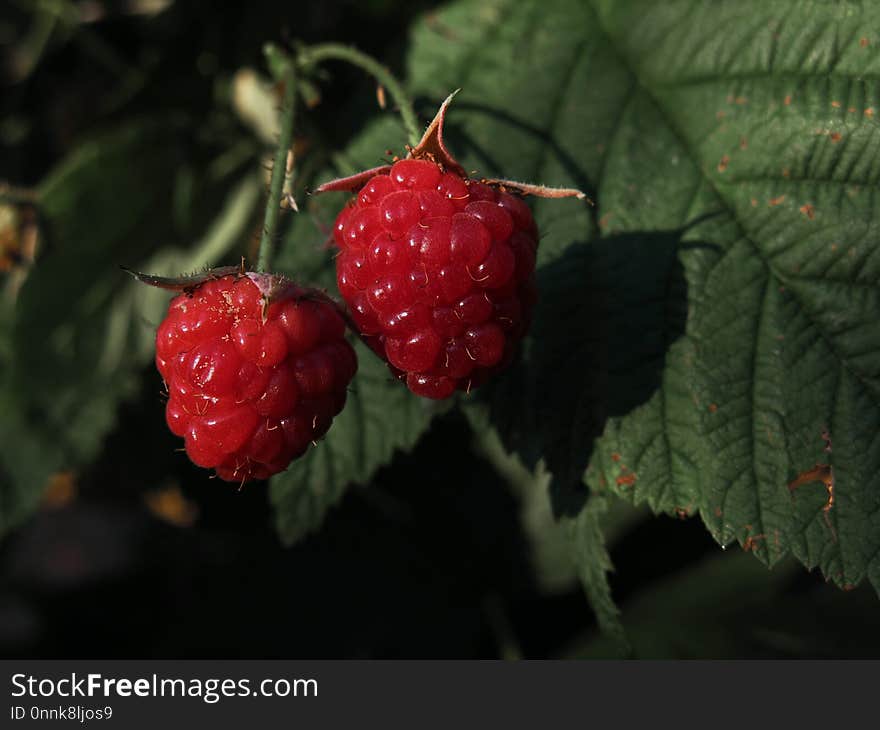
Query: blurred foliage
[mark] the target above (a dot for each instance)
(716, 277)
(727, 606)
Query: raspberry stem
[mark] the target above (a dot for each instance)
(285, 70)
(339, 52)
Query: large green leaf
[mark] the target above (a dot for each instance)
(716, 318)
(759, 115)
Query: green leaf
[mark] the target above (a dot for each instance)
(81, 329)
(766, 126)
(716, 316)
(593, 565)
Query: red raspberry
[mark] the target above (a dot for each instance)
(438, 271)
(251, 386)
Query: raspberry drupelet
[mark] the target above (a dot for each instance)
(252, 380)
(437, 268)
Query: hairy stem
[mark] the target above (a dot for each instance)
(339, 52)
(279, 169)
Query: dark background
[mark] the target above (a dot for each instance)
(134, 558)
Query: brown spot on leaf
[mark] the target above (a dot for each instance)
(615, 456)
(743, 143)
(787, 100)
(722, 165)
(741, 100)
(833, 247)
(869, 112)
(835, 104)
(720, 114)
(836, 137)
(713, 408)
(750, 544)
(822, 473)
(754, 202)
(808, 210)
(851, 109)
(786, 173)
(626, 480)
(776, 201)
(863, 42)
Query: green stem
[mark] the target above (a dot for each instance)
(279, 170)
(339, 52)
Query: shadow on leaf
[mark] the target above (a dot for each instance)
(608, 313)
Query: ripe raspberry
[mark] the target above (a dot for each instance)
(252, 379)
(438, 268)
(438, 271)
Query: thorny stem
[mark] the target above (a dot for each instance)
(339, 52)
(285, 68)
(279, 167)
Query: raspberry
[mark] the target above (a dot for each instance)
(438, 269)
(252, 379)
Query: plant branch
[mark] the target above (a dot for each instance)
(279, 169)
(339, 52)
